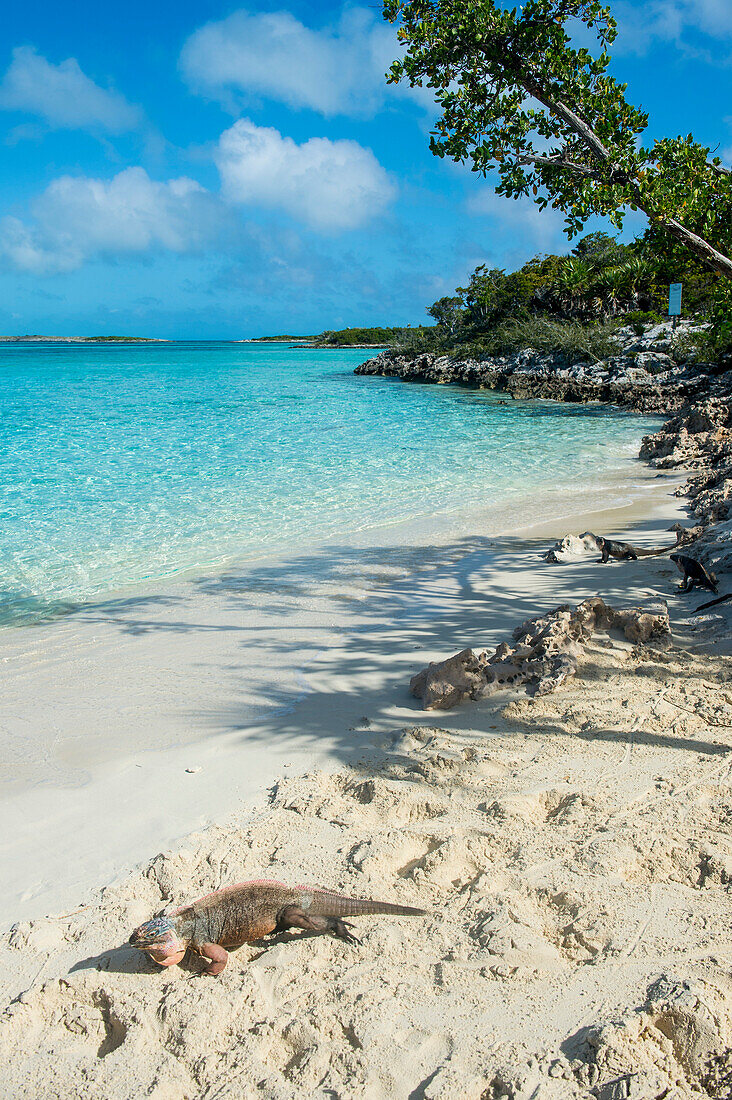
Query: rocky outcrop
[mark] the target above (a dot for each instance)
(700, 436)
(544, 655)
(710, 494)
(572, 548)
(714, 551)
(444, 684)
(643, 375)
(686, 535)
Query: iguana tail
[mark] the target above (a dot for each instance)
(711, 603)
(654, 553)
(325, 904)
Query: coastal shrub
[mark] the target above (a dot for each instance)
(572, 339)
(639, 319)
(416, 341)
(369, 336)
(702, 346)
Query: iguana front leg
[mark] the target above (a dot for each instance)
(217, 956)
(294, 917)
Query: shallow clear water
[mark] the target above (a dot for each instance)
(120, 463)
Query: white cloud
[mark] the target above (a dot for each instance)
(334, 70)
(79, 218)
(670, 21)
(63, 95)
(329, 185)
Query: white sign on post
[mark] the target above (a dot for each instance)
(674, 300)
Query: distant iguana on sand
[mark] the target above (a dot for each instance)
(623, 551)
(694, 573)
(246, 912)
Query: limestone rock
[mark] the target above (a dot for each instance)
(686, 535)
(710, 493)
(545, 653)
(654, 362)
(572, 547)
(444, 684)
(643, 627)
(643, 374)
(700, 436)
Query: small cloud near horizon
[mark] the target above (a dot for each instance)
(78, 218)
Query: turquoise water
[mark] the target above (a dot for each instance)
(122, 463)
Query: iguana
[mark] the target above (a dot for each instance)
(694, 573)
(246, 912)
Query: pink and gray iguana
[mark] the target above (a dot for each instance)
(246, 912)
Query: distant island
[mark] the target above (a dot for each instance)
(348, 337)
(34, 339)
(274, 339)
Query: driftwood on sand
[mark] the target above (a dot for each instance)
(544, 654)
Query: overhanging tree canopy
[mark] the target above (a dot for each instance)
(518, 94)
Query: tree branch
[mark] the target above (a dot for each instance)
(705, 251)
(612, 173)
(573, 120)
(560, 162)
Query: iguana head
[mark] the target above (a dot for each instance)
(161, 941)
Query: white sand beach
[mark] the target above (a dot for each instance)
(572, 852)
(147, 715)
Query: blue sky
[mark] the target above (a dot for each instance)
(180, 170)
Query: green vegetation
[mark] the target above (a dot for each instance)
(519, 97)
(279, 339)
(348, 337)
(36, 337)
(377, 337)
(570, 304)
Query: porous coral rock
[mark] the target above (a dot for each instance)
(700, 436)
(572, 547)
(545, 654)
(444, 684)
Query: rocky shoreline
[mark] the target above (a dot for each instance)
(643, 376)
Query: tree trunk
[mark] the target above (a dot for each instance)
(701, 248)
